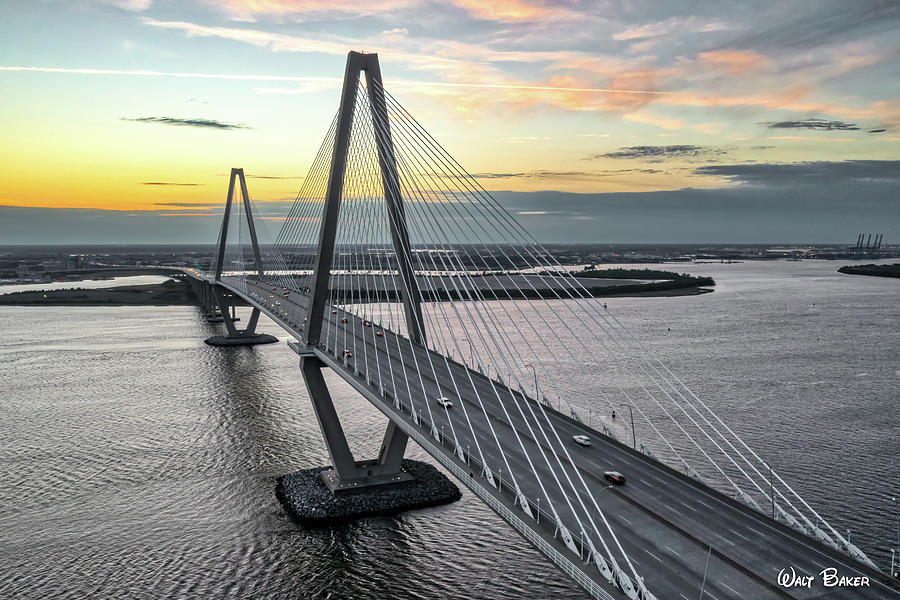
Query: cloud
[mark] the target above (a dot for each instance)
(497, 175)
(819, 173)
(877, 130)
(168, 183)
(248, 10)
(560, 175)
(510, 11)
(205, 123)
(275, 176)
(817, 124)
(816, 24)
(676, 151)
(736, 62)
(669, 26)
(131, 5)
(803, 138)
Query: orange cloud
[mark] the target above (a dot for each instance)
(246, 10)
(507, 10)
(734, 61)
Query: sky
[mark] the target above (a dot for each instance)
(597, 121)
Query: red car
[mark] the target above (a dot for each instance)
(379, 334)
(343, 320)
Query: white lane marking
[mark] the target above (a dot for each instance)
(645, 483)
(759, 533)
(820, 565)
(669, 507)
(729, 587)
(624, 519)
(653, 555)
(724, 539)
(672, 551)
(685, 597)
(705, 504)
(705, 593)
(740, 535)
(687, 506)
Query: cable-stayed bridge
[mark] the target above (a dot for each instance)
(398, 271)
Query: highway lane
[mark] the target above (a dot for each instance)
(674, 566)
(667, 527)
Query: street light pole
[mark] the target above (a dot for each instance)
(894, 500)
(633, 438)
(772, 492)
(471, 352)
(534, 371)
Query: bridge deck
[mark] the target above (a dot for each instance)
(674, 529)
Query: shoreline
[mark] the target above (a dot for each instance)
(872, 270)
(167, 294)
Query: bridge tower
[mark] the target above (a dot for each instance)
(348, 473)
(220, 296)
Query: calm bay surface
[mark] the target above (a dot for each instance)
(138, 462)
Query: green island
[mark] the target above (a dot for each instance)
(873, 270)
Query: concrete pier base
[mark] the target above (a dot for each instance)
(241, 340)
(307, 498)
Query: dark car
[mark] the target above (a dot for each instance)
(615, 477)
(344, 320)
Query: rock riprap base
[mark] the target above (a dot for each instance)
(307, 498)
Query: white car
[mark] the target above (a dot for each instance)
(582, 440)
(445, 402)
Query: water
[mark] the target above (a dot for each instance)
(138, 462)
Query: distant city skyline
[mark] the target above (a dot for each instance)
(590, 122)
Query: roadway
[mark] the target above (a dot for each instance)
(678, 534)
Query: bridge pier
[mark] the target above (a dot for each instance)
(349, 488)
(347, 475)
(235, 337)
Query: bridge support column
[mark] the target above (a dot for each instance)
(347, 474)
(208, 304)
(236, 337)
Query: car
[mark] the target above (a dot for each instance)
(379, 333)
(615, 477)
(445, 402)
(581, 440)
(348, 354)
(345, 320)
(366, 324)
(334, 312)
(270, 296)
